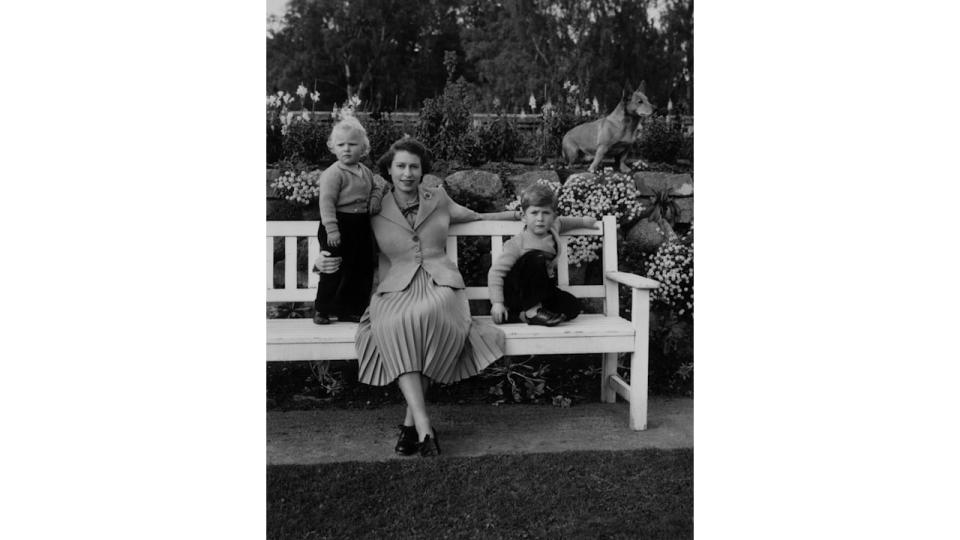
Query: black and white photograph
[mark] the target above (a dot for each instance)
(480, 269)
(476, 229)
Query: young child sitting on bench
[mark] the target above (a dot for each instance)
(522, 281)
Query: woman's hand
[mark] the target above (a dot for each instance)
(325, 264)
(591, 222)
(498, 312)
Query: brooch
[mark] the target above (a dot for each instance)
(427, 195)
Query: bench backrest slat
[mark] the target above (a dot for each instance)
(291, 231)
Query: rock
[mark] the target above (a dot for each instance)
(479, 183)
(686, 209)
(521, 181)
(430, 180)
(581, 176)
(680, 185)
(647, 235)
(272, 174)
(301, 399)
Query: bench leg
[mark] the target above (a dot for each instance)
(639, 359)
(608, 394)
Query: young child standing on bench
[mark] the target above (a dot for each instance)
(522, 281)
(349, 193)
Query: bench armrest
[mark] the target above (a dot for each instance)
(632, 280)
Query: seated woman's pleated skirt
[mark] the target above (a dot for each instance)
(427, 328)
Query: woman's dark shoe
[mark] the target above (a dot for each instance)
(430, 447)
(407, 444)
(320, 318)
(542, 318)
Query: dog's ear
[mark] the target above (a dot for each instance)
(643, 87)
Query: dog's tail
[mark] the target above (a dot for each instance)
(568, 149)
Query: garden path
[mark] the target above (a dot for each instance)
(335, 435)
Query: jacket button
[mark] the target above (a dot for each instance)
(415, 238)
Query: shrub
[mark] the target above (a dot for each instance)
(672, 266)
(553, 126)
(470, 150)
(445, 120)
(382, 132)
(520, 380)
(573, 108)
(660, 141)
(307, 139)
(609, 193)
(300, 186)
(499, 139)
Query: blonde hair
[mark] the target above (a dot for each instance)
(347, 125)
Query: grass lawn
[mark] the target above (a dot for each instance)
(626, 494)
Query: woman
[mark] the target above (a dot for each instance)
(418, 327)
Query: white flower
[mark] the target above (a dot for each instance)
(533, 103)
(315, 96)
(301, 91)
(596, 106)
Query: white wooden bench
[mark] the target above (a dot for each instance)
(607, 333)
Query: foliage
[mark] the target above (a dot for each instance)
(300, 186)
(661, 141)
(672, 266)
(289, 310)
(382, 132)
(330, 382)
(499, 139)
(382, 51)
(671, 323)
(524, 48)
(608, 193)
(392, 54)
(445, 120)
(307, 139)
(556, 120)
(520, 380)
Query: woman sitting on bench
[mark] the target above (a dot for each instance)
(418, 326)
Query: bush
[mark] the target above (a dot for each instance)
(672, 266)
(553, 126)
(307, 140)
(300, 186)
(499, 139)
(382, 132)
(445, 120)
(608, 193)
(660, 141)
(470, 149)
(671, 321)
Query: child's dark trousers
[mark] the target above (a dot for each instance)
(528, 284)
(347, 291)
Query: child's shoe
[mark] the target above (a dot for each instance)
(320, 318)
(543, 317)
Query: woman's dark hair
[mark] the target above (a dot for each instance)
(406, 144)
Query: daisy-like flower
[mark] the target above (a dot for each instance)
(301, 91)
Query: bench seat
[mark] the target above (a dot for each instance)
(300, 339)
(606, 334)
